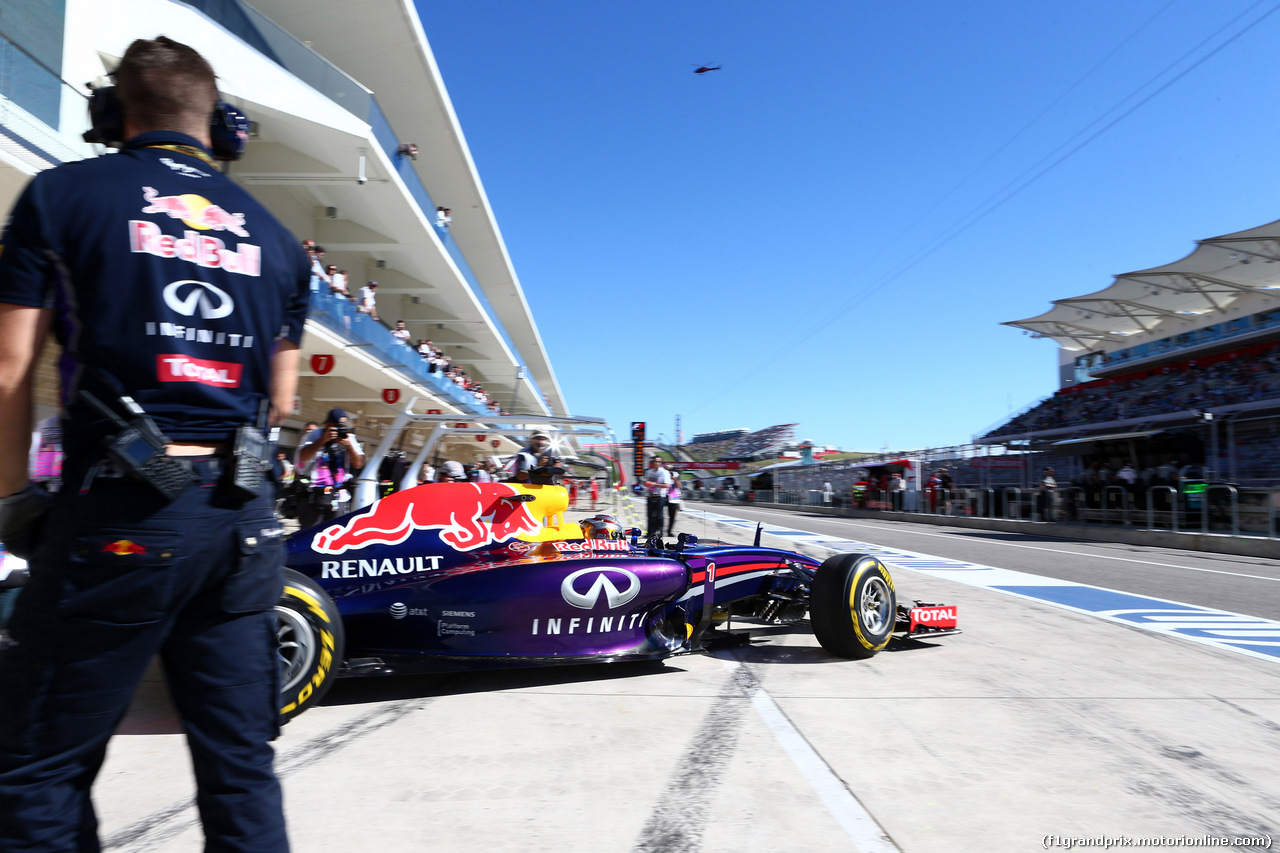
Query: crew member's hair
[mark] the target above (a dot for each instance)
(166, 85)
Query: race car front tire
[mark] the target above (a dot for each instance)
(310, 636)
(852, 605)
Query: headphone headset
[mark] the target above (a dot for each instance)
(228, 125)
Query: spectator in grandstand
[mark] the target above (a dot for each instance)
(657, 482)
(369, 300)
(443, 217)
(400, 333)
(315, 254)
(338, 283)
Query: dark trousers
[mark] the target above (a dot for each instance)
(654, 506)
(673, 507)
(119, 577)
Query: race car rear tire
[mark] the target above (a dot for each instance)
(311, 639)
(852, 605)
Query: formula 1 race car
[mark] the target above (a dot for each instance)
(452, 576)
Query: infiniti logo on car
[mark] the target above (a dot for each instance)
(602, 584)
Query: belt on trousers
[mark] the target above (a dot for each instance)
(211, 465)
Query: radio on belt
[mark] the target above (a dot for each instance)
(138, 450)
(249, 461)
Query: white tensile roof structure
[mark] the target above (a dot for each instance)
(1216, 274)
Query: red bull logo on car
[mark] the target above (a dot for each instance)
(468, 516)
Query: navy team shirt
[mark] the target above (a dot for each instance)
(164, 276)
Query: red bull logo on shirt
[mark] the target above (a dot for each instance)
(468, 516)
(195, 211)
(200, 249)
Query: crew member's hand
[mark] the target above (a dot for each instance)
(21, 517)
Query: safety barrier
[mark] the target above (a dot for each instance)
(1235, 506)
(1016, 502)
(1173, 506)
(1218, 506)
(1107, 492)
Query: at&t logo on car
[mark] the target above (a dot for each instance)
(584, 588)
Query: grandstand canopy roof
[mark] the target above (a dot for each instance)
(1216, 274)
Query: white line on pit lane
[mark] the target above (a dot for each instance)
(848, 812)
(1236, 632)
(1062, 551)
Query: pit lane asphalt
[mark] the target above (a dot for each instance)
(1249, 585)
(1035, 722)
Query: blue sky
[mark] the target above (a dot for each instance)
(793, 238)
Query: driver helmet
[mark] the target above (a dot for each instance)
(601, 527)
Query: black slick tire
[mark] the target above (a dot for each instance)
(852, 605)
(310, 636)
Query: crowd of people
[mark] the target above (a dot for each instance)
(762, 443)
(317, 484)
(1240, 378)
(328, 278)
(438, 362)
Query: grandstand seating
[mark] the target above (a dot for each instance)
(766, 443)
(1250, 375)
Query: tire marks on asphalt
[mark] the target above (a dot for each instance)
(679, 817)
(167, 823)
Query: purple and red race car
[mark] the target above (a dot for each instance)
(451, 576)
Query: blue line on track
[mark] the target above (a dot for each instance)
(1235, 632)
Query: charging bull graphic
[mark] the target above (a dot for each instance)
(468, 516)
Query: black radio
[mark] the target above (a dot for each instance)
(138, 450)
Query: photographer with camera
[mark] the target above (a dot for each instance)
(327, 459)
(163, 541)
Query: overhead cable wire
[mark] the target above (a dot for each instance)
(1022, 181)
(1027, 126)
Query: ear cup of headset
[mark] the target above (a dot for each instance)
(228, 131)
(105, 119)
(228, 126)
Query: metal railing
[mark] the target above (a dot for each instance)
(1172, 501)
(339, 315)
(1206, 505)
(1220, 509)
(1107, 492)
